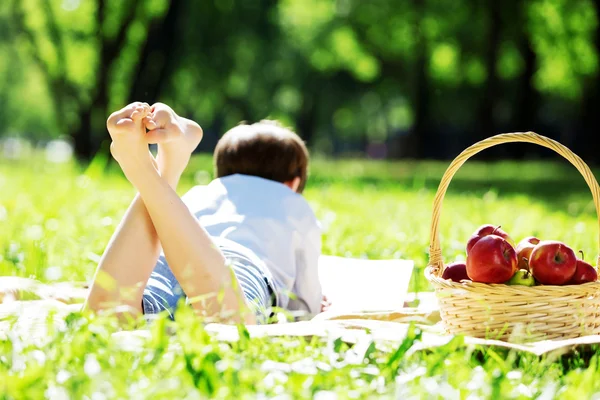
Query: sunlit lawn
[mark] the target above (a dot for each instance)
(55, 220)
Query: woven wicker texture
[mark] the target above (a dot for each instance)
(513, 313)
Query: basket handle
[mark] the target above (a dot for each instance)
(435, 252)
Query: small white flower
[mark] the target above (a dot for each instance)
(53, 273)
(59, 151)
(91, 366)
(62, 376)
(34, 232)
(57, 393)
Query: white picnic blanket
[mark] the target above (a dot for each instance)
(357, 285)
(370, 298)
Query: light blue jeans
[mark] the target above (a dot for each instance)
(163, 292)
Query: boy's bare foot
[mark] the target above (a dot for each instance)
(127, 131)
(177, 137)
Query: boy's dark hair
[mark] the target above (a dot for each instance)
(265, 149)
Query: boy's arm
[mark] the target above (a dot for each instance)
(308, 286)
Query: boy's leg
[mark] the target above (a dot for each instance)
(127, 262)
(196, 262)
(131, 253)
(198, 265)
(163, 292)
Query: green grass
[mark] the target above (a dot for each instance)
(56, 219)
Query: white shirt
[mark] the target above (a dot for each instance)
(274, 222)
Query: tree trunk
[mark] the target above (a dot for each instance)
(421, 104)
(87, 138)
(415, 144)
(82, 140)
(584, 145)
(527, 102)
(307, 117)
(157, 57)
(487, 126)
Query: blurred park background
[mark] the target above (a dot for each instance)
(384, 92)
(387, 79)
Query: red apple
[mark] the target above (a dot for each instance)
(552, 262)
(524, 249)
(456, 271)
(584, 272)
(492, 259)
(485, 230)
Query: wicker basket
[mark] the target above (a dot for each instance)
(513, 313)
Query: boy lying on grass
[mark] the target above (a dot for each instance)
(233, 249)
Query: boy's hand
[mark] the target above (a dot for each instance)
(177, 137)
(325, 304)
(128, 133)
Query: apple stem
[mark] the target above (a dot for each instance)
(495, 229)
(581, 252)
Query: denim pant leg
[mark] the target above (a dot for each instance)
(162, 292)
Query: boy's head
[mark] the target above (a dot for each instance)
(265, 149)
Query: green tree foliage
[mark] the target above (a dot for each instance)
(84, 52)
(424, 78)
